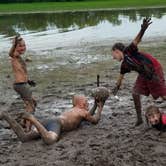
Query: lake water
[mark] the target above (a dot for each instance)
(46, 31)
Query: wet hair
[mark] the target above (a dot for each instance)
(151, 110)
(118, 46)
(79, 101)
(19, 39)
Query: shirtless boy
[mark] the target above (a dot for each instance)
(21, 76)
(50, 129)
(150, 78)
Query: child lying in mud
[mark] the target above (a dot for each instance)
(156, 118)
(50, 129)
(22, 82)
(150, 80)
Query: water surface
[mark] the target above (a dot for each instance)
(45, 31)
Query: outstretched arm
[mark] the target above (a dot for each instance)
(12, 49)
(93, 109)
(118, 84)
(95, 118)
(146, 22)
(15, 42)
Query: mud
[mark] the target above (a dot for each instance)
(114, 141)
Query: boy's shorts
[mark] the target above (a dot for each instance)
(156, 88)
(23, 90)
(53, 125)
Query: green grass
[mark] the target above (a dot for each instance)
(84, 5)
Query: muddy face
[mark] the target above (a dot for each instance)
(21, 47)
(154, 118)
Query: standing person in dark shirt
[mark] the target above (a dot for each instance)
(150, 78)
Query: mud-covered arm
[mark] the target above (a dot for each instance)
(12, 49)
(93, 109)
(118, 84)
(95, 118)
(146, 22)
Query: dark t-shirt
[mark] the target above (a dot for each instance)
(140, 62)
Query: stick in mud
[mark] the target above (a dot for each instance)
(98, 80)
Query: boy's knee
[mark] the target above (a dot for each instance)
(30, 106)
(51, 138)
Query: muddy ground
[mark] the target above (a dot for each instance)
(114, 141)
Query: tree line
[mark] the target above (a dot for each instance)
(24, 1)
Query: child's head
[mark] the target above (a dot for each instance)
(80, 101)
(20, 47)
(117, 51)
(153, 115)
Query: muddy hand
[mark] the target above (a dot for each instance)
(146, 22)
(32, 83)
(115, 90)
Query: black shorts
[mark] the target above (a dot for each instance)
(23, 90)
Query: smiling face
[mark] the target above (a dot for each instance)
(21, 47)
(153, 115)
(154, 119)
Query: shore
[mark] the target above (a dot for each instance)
(114, 141)
(82, 10)
(38, 7)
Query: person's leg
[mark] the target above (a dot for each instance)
(24, 137)
(137, 103)
(30, 103)
(140, 88)
(49, 137)
(158, 88)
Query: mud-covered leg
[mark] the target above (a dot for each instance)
(24, 137)
(48, 137)
(30, 107)
(137, 103)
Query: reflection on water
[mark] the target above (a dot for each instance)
(49, 33)
(68, 21)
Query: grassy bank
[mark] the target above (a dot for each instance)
(84, 5)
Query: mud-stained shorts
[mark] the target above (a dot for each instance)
(156, 88)
(23, 90)
(53, 125)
